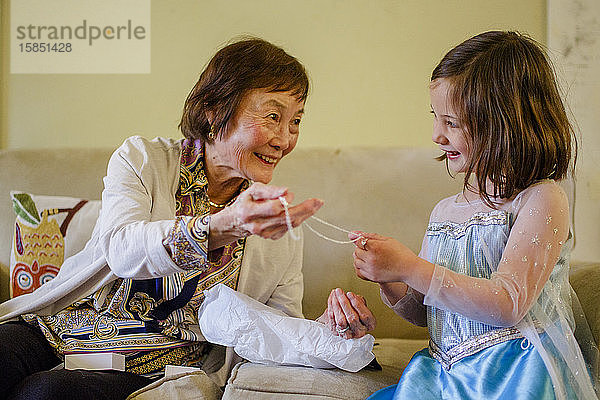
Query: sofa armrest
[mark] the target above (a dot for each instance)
(585, 280)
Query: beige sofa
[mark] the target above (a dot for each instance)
(389, 191)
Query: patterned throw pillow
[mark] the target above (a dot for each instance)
(47, 230)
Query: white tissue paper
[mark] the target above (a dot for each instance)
(264, 335)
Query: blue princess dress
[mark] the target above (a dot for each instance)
(469, 355)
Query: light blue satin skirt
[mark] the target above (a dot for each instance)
(504, 371)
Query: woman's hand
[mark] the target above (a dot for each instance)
(347, 315)
(258, 211)
(381, 259)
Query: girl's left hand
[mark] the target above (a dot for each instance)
(347, 315)
(381, 259)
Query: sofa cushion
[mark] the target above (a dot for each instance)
(585, 279)
(58, 172)
(47, 230)
(184, 386)
(256, 381)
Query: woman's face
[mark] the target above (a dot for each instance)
(448, 131)
(263, 131)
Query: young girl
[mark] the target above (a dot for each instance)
(491, 280)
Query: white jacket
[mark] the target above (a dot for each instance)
(138, 210)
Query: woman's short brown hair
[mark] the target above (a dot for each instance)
(504, 90)
(234, 70)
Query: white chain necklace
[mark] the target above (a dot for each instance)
(288, 221)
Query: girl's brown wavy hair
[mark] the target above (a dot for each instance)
(504, 90)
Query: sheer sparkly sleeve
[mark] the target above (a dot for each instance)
(410, 306)
(187, 242)
(533, 248)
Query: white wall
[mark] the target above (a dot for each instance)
(574, 41)
(369, 62)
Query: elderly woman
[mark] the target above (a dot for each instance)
(178, 217)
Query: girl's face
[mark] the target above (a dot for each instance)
(448, 132)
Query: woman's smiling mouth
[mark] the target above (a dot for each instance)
(266, 159)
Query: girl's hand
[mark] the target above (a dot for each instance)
(381, 259)
(258, 211)
(347, 315)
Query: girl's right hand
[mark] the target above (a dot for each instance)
(381, 259)
(258, 211)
